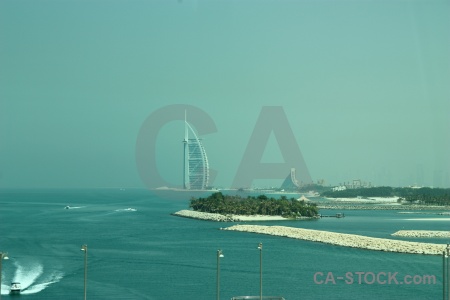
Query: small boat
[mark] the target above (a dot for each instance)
(67, 207)
(15, 288)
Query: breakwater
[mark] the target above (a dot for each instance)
(422, 233)
(344, 239)
(204, 216)
(227, 218)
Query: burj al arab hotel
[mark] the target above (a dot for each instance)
(196, 168)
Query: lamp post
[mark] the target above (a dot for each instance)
(85, 249)
(447, 271)
(219, 256)
(444, 275)
(260, 270)
(2, 257)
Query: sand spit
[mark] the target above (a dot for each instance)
(361, 200)
(343, 239)
(429, 219)
(422, 233)
(225, 218)
(379, 207)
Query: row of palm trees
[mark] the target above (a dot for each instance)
(260, 205)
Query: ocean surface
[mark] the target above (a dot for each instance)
(137, 250)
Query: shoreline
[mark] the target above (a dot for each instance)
(343, 239)
(422, 233)
(348, 206)
(229, 218)
(374, 203)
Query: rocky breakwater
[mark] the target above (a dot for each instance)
(343, 239)
(204, 216)
(422, 233)
(229, 218)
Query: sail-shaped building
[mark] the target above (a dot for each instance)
(290, 183)
(196, 167)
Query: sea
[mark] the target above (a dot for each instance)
(137, 250)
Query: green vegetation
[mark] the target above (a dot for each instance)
(314, 187)
(261, 205)
(425, 195)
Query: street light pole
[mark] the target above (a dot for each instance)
(260, 270)
(219, 256)
(447, 271)
(85, 249)
(444, 279)
(2, 257)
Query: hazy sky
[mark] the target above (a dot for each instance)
(364, 85)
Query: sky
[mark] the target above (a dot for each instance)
(363, 86)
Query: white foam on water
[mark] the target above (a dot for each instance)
(36, 288)
(74, 207)
(32, 278)
(5, 289)
(26, 275)
(126, 209)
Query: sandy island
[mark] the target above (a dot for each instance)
(374, 203)
(371, 200)
(344, 239)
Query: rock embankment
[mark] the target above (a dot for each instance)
(204, 216)
(344, 239)
(422, 233)
(226, 218)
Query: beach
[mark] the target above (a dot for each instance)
(343, 239)
(225, 218)
(378, 206)
(371, 200)
(374, 203)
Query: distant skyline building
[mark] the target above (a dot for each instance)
(291, 182)
(196, 167)
(355, 184)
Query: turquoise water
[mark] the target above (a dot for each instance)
(137, 250)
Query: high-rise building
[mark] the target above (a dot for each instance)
(290, 183)
(196, 167)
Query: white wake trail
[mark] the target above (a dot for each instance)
(35, 288)
(27, 275)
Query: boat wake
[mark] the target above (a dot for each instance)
(5, 289)
(126, 209)
(32, 278)
(73, 207)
